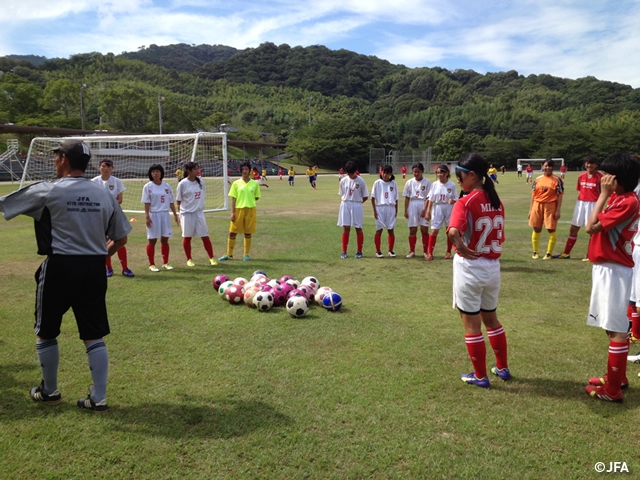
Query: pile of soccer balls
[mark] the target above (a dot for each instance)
(262, 293)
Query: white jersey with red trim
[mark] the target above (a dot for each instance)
(190, 195)
(417, 190)
(113, 185)
(385, 193)
(480, 225)
(158, 196)
(353, 190)
(443, 192)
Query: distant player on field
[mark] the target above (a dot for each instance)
(280, 172)
(244, 194)
(546, 202)
(256, 177)
(403, 170)
(190, 196)
(292, 176)
(477, 231)
(493, 173)
(529, 171)
(563, 171)
(589, 190)
(354, 193)
(115, 187)
(311, 174)
(612, 225)
(384, 198)
(519, 170)
(158, 199)
(415, 195)
(442, 196)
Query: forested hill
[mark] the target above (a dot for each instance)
(329, 106)
(183, 57)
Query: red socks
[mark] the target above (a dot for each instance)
(108, 263)
(122, 256)
(206, 241)
(345, 242)
(478, 354)
(571, 241)
(164, 249)
(360, 237)
(425, 243)
(635, 324)
(616, 366)
(498, 341)
(151, 253)
(377, 238)
(412, 243)
(432, 243)
(392, 241)
(449, 245)
(186, 245)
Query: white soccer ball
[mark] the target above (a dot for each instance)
(224, 286)
(273, 283)
(240, 281)
(311, 282)
(292, 282)
(249, 295)
(322, 291)
(263, 301)
(297, 306)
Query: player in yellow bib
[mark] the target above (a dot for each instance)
(244, 193)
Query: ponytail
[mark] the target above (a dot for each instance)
(490, 190)
(476, 163)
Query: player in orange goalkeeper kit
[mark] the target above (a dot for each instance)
(546, 202)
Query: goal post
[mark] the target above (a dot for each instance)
(132, 155)
(537, 163)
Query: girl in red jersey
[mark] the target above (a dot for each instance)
(477, 231)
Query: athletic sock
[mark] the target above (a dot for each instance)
(391, 241)
(498, 340)
(412, 243)
(164, 249)
(478, 354)
(360, 240)
(377, 240)
(631, 307)
(186, 245)
(449, 245)
(425, 243)
(151, 253)
(231, 244)
(553, 238)
(616, 366)
(535, 241)
(107, 263)
(635, 324)
(122, 256)
(432, 243)
(571, 241)
(49, 358)
(247, 245)
(206, 241)
(99, 365)
(345, 241)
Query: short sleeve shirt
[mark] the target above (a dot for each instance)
(353, 190)
(547, 189)
(589, 188)
(158, 196)
(245, 193)
(385, 193)
(443, 192)
(417, 190)
(190, 195)
(113, 185)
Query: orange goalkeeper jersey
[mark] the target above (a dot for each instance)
(547, 189)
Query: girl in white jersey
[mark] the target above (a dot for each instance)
(354, 193)
(384, 198)
(442, 196)
(157, 197)
(415, 195)
(116, 188)
(190, 199)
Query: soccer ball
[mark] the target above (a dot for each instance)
(240, 281)
(263, 301)
(311, 282)
(307, 290)
(332, 301)
(273, 283)
(293, 283)
(286, 288)
(320, 294)
(234, 294)
(259, 278)
(279, 297)
(296, 293)
(266, 288)
(249, 295)
(284, 278)
(258, 272)
(224, 286)
(219, 280)
(297, 307)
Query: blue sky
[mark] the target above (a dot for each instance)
(565, 38)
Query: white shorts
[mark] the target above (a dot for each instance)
(440, 215)
(386, 217)
(581, 213)
(635, 283)
(610, 293)
(350, 214)
(529, 175)
(476, 284)
(194, 225)
(160, 225)
(415, 210)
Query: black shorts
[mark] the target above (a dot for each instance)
(71, 281)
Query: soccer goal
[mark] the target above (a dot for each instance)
(132, 155)
(537, 163)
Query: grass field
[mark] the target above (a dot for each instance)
(203, 389)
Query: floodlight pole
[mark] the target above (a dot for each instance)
(160, 99)
(84, 85)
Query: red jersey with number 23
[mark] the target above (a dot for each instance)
(620, 222)
(480, 225)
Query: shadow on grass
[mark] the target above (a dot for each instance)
(567, 390)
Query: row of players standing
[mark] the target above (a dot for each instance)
(425, 204)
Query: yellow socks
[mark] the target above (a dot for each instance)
(231, 244)
(247, 245)
(535, 241)
(553, 238)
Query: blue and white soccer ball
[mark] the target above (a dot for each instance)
(332, 301)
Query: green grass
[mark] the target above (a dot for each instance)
(203, 389)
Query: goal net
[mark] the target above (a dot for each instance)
(132, 155)
(537, 163)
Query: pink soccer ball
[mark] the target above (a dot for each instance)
(234, 294)
(240, 281)
(296, 293)
(293, 282)
(219, 280)
(266, 288)
(249, 294)
(284, 278)
(307, 290)
(279, 297)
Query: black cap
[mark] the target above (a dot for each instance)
(74, 150)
